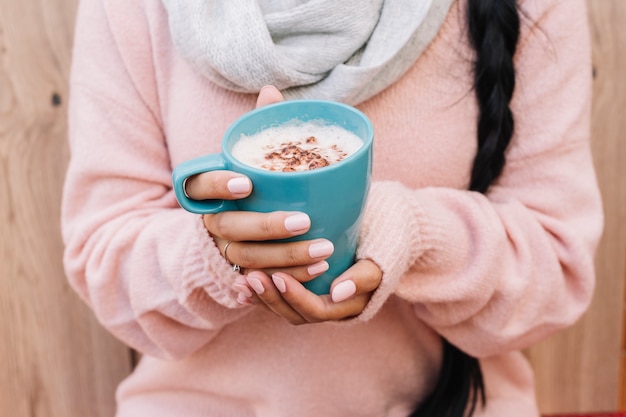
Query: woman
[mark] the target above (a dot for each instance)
(477, 240)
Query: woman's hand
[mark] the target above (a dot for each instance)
(287, 297)
(273, 273)
(243, 237)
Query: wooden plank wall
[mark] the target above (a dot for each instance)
(55, 360)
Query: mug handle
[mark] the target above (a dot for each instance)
(206, 163)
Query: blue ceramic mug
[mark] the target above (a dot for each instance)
(333, 196)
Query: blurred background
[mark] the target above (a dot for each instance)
(55, 360)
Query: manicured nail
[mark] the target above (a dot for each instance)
(243, 289)
(280, 283)
(256, 285)
(319, 249)
(242, 299)
(297, 222)
(343, 291)
(317, 268)
(238, 185)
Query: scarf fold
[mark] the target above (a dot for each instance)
(343, 50)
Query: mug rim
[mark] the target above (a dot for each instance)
(362, 150)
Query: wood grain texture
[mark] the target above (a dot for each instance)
(579, 370)
(55, 359)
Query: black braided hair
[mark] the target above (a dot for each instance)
(494, 31)
(493, 27)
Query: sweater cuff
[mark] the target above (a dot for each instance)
(391, 235)
(205, 268)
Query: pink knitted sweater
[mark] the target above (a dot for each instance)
(493, 274)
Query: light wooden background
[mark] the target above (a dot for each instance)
(54, 358)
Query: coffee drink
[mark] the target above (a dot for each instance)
(296, 146)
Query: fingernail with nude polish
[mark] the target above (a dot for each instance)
(297, 222)
(317, 268)
(256, 285)
(239, 185)
(320, 249)
(243, 289)
(242, 299)
(279, 283)
(343, 291)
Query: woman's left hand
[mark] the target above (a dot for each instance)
(287, 297)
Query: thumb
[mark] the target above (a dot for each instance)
(268, 95)
(363, 277)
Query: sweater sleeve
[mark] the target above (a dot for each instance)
(148, 269)
(498, 272)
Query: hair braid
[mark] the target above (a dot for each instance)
(494, 31)
(493, 27)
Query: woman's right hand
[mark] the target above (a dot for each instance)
(251, 234)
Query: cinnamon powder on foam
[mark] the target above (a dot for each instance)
(278, 149)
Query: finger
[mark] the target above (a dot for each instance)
(224, 185)
(349, 294)
(305, 255)
(246, 295)
(362, 278)
(270, 296)
(268, 95)
(301, 273)
(251, 226)
(314, 308)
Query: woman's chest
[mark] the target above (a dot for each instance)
(424, 125)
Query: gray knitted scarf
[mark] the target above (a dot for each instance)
(343, 50)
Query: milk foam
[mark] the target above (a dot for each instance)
(296, 146)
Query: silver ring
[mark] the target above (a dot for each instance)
(185, 188)
(236, 268)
